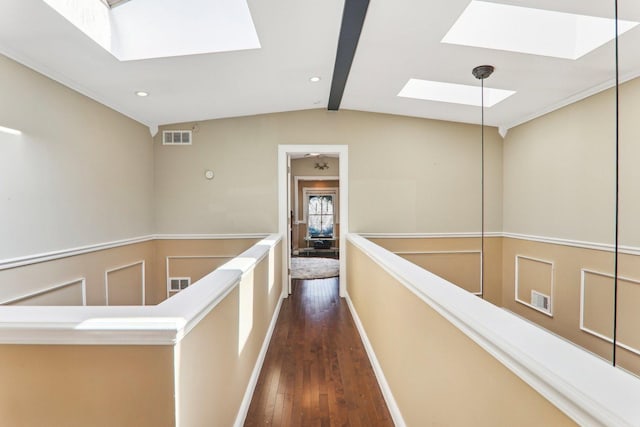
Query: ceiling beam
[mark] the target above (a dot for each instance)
(352, 22)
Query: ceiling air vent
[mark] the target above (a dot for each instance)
(176, 137)
(540, 301)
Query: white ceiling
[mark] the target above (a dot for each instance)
(400, 40)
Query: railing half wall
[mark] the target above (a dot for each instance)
(446, 357)
(191, 360)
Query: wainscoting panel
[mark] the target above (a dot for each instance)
(124, 285)
(534, 277)
(596, 308)
(194, 267)
(69, 293)
(461, 268)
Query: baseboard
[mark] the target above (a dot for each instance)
(396, 415)
(253, 380)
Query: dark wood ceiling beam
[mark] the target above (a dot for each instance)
(352, 23)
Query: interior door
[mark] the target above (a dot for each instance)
(289, 224)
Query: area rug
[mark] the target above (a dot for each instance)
(314, 268)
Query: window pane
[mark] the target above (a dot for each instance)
(327, 206)
(314, 225)
(315, 205)
(327, 225)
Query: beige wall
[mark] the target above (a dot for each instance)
(79, 174)
(193, 259)
(551, 269)
(425, 172)
(79, 386)
(217, 357)
(566, 296)
(559, 182)
(559, 171)
(39, 284)
(454, 259)
(437, 374)
(135, 386)
(125, 285)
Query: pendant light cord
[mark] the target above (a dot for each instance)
(617, 207)
(482, 193)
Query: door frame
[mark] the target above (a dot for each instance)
(284, 152)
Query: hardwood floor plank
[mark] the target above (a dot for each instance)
(316, 371)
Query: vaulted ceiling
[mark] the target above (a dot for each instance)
(400, 39)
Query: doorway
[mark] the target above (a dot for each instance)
(287, 217)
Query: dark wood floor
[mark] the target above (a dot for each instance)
(316, 371)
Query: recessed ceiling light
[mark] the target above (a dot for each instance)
(314, 79)
(142, 93)
(453, 93)
(10, 131)
(532, 31)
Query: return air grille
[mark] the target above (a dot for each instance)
(176, 137)
(540, 301)
(176, 284)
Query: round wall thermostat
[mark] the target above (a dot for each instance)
(208, 174)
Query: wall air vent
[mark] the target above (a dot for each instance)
(176, 137)
(540, 301)
(176, 284)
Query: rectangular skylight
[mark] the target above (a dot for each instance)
(453, 93)
(532, 31)
(144, 29)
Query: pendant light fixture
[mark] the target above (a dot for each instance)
(481, 72)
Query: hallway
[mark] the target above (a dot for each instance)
(316, 371)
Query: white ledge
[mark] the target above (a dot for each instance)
(163, 324)
(586, 388)
(68, 252)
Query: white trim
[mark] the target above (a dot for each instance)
(122, 267)
(168, 267)
(480, 292)
(296, 189)
(517, 277)
(283, 195)
(572, 99)
(392, 405)
(235, 268)
(64, 253)
(210, 236)
(607, 247)
(80, 250)
(470, 251)
(163, 324)
(583, 271)
(255, 374)
(83, 286)
(605, 397)
(453, 235)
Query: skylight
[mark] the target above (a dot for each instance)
(532, 31)
(144, 29)
(453, 93)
